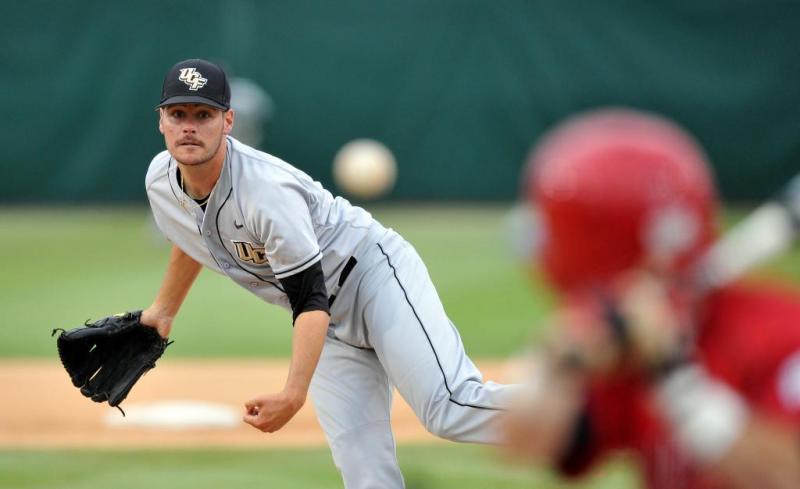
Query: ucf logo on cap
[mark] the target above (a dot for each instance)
(193, 78)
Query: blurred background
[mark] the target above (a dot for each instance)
(459, 91)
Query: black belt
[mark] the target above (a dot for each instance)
(348, 267)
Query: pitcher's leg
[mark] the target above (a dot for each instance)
(352, 398)
(423, 355)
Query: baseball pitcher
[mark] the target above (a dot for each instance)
(366, 315)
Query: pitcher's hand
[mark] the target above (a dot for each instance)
(271, 412)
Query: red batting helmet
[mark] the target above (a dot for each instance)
(616, 189)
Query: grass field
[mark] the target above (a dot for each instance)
(424, 467)
(62, 266)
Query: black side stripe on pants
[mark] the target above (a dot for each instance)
(436, 355)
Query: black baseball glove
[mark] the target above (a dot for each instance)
(106, 358)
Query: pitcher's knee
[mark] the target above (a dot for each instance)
(446, 432)
(461, 422)
(443, 422)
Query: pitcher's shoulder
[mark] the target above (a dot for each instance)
(158, 168)
(253, 158)
(251, 167)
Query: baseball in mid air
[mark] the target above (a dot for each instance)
(364, 168)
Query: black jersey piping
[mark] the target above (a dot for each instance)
(435, 354)
(222, 243)
(200, 231)
(169, 165)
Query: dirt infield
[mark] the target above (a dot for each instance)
(41, 409)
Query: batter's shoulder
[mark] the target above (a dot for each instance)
(754, 302)
(158, 168)
(749, 320)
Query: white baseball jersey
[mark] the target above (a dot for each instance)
(266, 220)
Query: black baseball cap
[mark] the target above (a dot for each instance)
(196, 81)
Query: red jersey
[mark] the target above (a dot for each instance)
(749, 338)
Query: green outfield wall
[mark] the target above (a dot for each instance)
(457, 89)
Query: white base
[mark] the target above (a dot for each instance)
(175, 415)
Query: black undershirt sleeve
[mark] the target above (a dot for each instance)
(306, 291)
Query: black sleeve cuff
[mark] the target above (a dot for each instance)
(306, 291)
